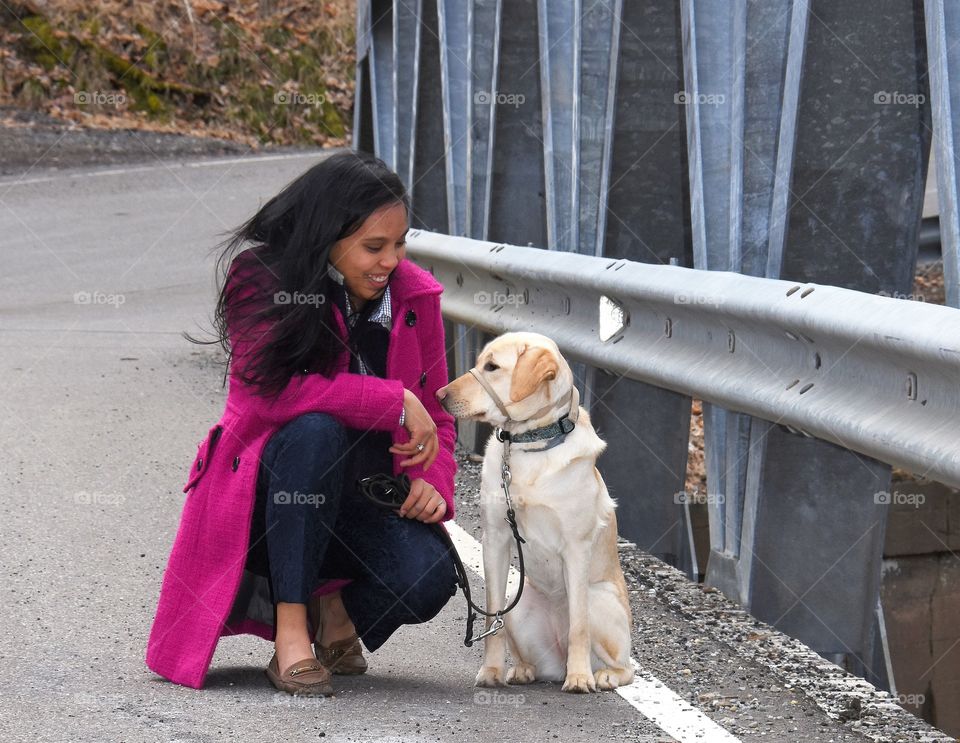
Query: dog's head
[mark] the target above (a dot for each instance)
(525, 370)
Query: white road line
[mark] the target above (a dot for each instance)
(165, 166)
(658, 703)
(647, 694)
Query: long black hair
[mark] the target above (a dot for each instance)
(283, 252)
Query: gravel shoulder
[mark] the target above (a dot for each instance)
(752, 680)
(32, 142)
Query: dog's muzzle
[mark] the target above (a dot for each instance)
(493, 395)
(572, 399)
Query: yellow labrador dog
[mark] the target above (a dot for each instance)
(573, 621)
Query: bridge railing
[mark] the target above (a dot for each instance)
(874, 374)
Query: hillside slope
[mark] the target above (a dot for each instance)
(258, 72)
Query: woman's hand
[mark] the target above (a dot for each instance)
(423, 503)
(423, 431)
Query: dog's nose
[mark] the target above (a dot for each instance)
(441, 393)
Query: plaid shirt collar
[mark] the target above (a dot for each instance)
(382, 314)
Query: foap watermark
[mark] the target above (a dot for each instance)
(299, 298)
(97, 701)
(296, 98)
(493, 697)
(98, 297)
(697, 299)
(485, 98)
(896, 498)
(296, 498)
(498, 298)
(86, 498)
(697, 498)
(911, 700)
(99, 98)
(895, 98)
(685, 98)
(901, 295)
(282, 699)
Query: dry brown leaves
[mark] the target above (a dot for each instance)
(184, 42)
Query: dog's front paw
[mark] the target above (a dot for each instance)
(607, 678)
(490, 676)
(522, 673)
(579, 683)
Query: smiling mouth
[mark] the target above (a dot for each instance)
(378, 279)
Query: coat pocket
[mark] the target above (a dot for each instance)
(201, 462)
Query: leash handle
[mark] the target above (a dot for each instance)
(390, 492)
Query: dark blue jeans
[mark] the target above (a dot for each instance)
(310, 524)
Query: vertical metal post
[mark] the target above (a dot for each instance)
(559, 37)
(646, 219)
(428, 186)
(517, 212)
(363, 100)
(483, 19)
(382, 79)
(455, 78)
(943, 30)
(406, 72)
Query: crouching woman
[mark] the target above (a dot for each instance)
(336, 349)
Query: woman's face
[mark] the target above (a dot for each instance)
(368, 256)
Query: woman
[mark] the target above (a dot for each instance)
(335, 350)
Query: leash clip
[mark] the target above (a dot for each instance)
(495, 627)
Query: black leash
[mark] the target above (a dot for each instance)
(390, 492)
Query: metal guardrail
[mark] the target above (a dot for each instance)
(716, 137)
(874, 374)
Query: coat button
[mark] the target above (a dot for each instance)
(423, 379)
(200, 463)
(410, 318)
(236, 463)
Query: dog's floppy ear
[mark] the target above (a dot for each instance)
(533, 368)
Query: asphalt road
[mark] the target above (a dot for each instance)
(102, 405)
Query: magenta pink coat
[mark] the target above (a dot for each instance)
(208, 556)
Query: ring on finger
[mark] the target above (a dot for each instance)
(420, 447)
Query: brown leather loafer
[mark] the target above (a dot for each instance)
(343, 657)
(307, 678)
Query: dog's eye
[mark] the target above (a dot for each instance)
(490, 366)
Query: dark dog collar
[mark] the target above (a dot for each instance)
(555, 434)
